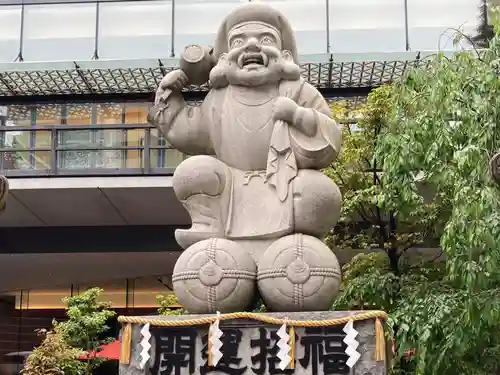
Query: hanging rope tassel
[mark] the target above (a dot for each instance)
(380, 351)
(126, 344)
(292, 347)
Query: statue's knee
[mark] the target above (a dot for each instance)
(199, 175)
(317, 203)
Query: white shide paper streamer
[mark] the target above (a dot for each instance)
(216, 343)
(284, 348)
(352, 344)
(145, 344)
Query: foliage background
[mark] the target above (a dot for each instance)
(83, 333)
(54, 357)
(416, 174)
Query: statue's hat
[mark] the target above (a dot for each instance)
(257, 12)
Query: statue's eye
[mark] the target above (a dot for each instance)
(267, 40)
(237, 42)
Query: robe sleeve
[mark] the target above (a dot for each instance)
(321, 149)
(187, 127)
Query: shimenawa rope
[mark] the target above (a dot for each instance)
(380, 351)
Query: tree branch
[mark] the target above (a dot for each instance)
(472, 43)
(381, 224)
(440, 254)
(360, 210)
(406, 248)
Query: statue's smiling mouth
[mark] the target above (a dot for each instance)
(252, 60)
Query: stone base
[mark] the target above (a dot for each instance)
(250, 348)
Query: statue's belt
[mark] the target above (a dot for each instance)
(251, 174)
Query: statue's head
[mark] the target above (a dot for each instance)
(255, 45)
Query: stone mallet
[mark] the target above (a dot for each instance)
(196, 62)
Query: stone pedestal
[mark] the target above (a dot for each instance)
(250, 348)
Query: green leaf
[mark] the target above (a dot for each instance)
(416, 174)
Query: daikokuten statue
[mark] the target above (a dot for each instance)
(258, 201)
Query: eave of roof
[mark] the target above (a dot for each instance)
(341, 72)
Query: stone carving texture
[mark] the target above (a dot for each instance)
(215, 275)
(259, 140)
(294, 269)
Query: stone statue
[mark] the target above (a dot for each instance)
(260, 138)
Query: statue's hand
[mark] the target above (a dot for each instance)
(174, 81)
(284, 109)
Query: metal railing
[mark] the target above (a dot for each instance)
(104, 149)
(109, 149)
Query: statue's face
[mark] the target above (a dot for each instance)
(253, 46)
(255, 57)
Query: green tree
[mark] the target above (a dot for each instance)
(484, 30)
(86, 327)
(53, 356)
(380, 278)
(442, 125)
(364, 223)
(169, 305)
(445, 126)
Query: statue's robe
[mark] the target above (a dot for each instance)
(263, 159)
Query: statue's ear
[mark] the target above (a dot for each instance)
(287, 55)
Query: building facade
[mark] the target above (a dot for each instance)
(91, 200)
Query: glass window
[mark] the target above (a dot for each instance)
(164, 157)
(59, 32)
(113, 291)
(10, 32)
(308, 20)
(110, 113)
(135, 29)
(74, 142)
(428, 21)
(77, 114)
(358, 26)
(145, 291)
(23, 139)
(48, 114)
(17, 115)
(197, 21)
(43, 298)
(45, 115)
(41, 139)
(135, 113)
(49, 298)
